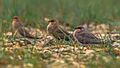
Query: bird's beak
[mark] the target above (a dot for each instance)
(46, 19)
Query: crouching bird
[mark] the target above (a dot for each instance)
(17, 26)
(83, 36)
(56, 31)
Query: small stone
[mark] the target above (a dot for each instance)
(14, 42)
(50, 37)
(116, 44)
(8, 44)
(89, 52)
(28, 65)
(55, 56)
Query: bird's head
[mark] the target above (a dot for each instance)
(51, 21)
(80, 28)
(15, 19)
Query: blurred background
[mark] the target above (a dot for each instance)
(38, 54)
(71, 12)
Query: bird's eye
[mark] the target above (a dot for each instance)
(52, 21)
(15, 17)
(80, 28)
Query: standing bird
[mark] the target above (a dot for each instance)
(17, 26)
(55, 30)
(82, 36)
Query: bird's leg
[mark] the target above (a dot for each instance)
(35, 37)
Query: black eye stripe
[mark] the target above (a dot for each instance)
(51, 21)
(79, 27)
(15, 17)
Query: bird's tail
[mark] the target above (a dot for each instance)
(26, 34)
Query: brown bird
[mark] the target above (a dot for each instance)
(17, 26)
(55, 30)
(82, 36)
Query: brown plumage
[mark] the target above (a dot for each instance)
(19, 27)
(82, 36)
(54, 29)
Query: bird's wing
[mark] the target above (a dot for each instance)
(61, 30)
(25, 32)
(60, 33)
(88, 35)
(87, 38)
(20, 24)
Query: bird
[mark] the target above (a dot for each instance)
(54, 29)
(17, 26)
(83, 36)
